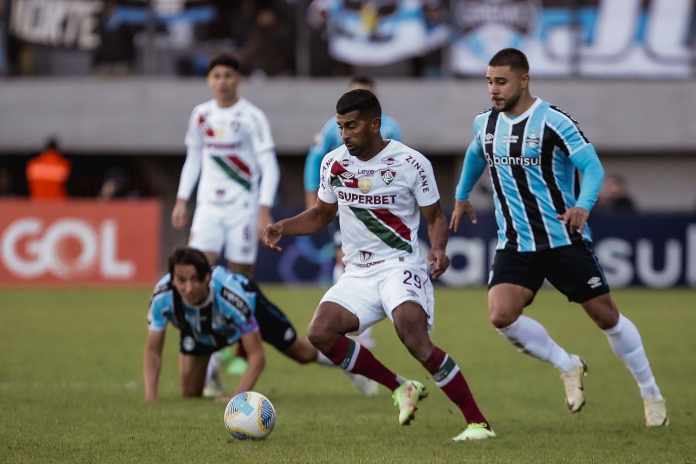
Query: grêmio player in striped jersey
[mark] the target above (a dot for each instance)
(534, 152)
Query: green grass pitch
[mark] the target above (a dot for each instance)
(71, 389)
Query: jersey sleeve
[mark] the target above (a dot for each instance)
(326, 192)
(159, 303)
(424, 183)
(235, 304)
(194, 156)
(571, 138)
(260, 132)
(270, 176)
(474, 165)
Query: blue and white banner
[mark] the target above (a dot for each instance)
(654, 250)
(602, 38)
(380, 32)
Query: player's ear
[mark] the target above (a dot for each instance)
(524, 80)
(376, 125)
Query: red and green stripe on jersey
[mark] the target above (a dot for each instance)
(235, 169)
(386, 226)
(341, 177)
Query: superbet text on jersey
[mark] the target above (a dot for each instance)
(378, 201)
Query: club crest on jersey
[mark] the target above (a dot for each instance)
(532, 141)
(365, 184)
(387, 175)
(489, 138)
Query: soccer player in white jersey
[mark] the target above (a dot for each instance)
(230, 152)
(380, 188)
(329, 139)
(229, 149)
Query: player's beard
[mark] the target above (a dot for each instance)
(510, 103)
(355, 151)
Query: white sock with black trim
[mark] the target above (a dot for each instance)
(532, 338)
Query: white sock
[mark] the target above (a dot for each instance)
(533, 339)
(213, 367)
(323, 360)
(626, 343)
(366, 339)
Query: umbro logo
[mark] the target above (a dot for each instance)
(489, 138)
(595, 282)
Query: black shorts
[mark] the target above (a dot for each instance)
(275, 327)
(573, 270)
(191, 346)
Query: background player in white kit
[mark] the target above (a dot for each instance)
(229, 147)
(230, 152)
(380, 187)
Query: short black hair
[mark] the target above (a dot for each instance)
(190, 256)
(362, 80)
(359, 100)
(224, 59)
(510, 57)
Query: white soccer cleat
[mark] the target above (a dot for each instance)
(572, 382)
(213, 387)
(475, 432)
(655, 413)
(367, 387)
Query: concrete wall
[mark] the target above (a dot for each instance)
(140, 116)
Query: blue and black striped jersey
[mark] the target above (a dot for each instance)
(222, 319)
(533, 161)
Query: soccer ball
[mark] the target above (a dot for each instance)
(249, 416)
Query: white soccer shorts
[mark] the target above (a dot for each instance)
(373, 296)
(234, 228)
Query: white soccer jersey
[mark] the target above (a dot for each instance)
(378, 201)
(229, 148)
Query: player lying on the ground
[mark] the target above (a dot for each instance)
(534, 151)
(379, 188)
(212, 309)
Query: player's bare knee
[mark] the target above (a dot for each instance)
(501, 316)
(320, 336)
(602, 311)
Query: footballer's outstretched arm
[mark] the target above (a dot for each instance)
(256, 357)
(437, 233)
(305, 223)
(152, 362)
(474, 165)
